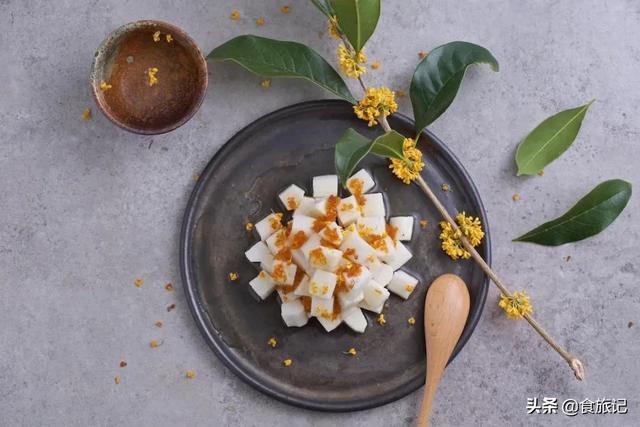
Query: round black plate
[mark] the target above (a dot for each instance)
(242, 183)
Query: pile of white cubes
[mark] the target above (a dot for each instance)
(335, 257)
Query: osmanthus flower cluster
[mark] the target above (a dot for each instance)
(469, 227)
(409, 167)
(516, 305)
(351, 62)
(376, 103)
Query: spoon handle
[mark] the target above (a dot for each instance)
(446, 311)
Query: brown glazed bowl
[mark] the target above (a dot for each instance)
(123, 61)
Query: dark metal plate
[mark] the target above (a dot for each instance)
(241, 183)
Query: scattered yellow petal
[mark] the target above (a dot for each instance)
(375, 65)
(248, 226)
(159, 323)
(424, 223)
(411, 320)
(156, 36)
(422, 54)
(445, 188)
(235, 15)
(401, 93)
(86, 114)
(138, 282)
(287, 362)
(266, 83)
(104, 86)
(541, 172)
(168, 287)
(517, 305)
(154, 343)
(272, 342)
(352, 351)
(123, 364)
(332, 28)
(190, 374)
(515, 197)
(260, 21)
(381, 320)
(151, 73)
(285, 9)
(116, 379)
(169, 38)
(233, 276)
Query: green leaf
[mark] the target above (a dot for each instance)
(592, 214)
(357, 19)
(549, 140)
(324, 7)
(350, 150)
(352, 147)
(275, 58)
(438, 76)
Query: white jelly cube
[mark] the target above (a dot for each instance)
(321, 284)
(329, 324)
(298, 257)
(283, 273)
(355, 319)
(382, 273)
(302, 223)
(293, 313)
(259, 252)
(371, 225)
(375, 294)
(320, 207)
(332, 233)
(306, 208)
(366, 182)
(262, 285)
(302, 289)
(348, 211)
(321, 307)
(404, 227)
(287, 296)
(267, 263)
(312, 242)
(356, 281)
(365, 306)
(358, 250)
(374, 205)
(386, 249)
(277, 241)
(325, 186)
(325, 258)
(350, 299)
(400, 257)
(268, 225)
(402, 284)
(292, 197)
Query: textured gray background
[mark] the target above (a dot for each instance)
(87, 208)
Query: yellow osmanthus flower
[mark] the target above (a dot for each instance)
(248, 226)
(104, 86)
(190, 375)
(352, 351)
(332, 28)
(409, 168)
(287, 362)
(375, 103)
(156, 36)
(350, 61)
(375, 65)
(266, 83)
(272, 342)
(285, 9)
(86, 114)
(260, 21)
(517, 305)
(151, 73)
(469, 227)
(235, 15)
(169, 38)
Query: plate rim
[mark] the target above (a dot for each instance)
(215, 343)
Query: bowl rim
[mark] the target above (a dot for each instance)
(98, 58)
(193, 297)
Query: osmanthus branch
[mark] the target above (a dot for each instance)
(575, 364)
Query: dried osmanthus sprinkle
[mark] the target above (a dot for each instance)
(515, 197)
(408, 168)
(86, 114)
(272, 342)
(154, 344)
(169, 38)
(168, 287)
(235, 15)
(156, 36)
(445, 188)
(260, 21)
(517, 305)
(151, 74)
(138, 282)
(285, 9)
(190, 374)
(265, 83)
(375, 65)
(104, 86)
(233, 276)
(381, 320)
(469, 227)
(411, 320)
(248, 226)
(375, 103)
(287, 362)
(116, 379)
(424, 223)
(350, 61)
(351, 352)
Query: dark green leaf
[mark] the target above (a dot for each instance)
(275, 58)
(352, 147)
(592, 214)
(357, 19)
(350, 150)
(438, 76)
(549, 140)
(324, 7)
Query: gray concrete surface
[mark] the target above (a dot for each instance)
(87, 208)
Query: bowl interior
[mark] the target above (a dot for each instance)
(124, 61)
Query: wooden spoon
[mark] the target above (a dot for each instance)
(445, 312)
